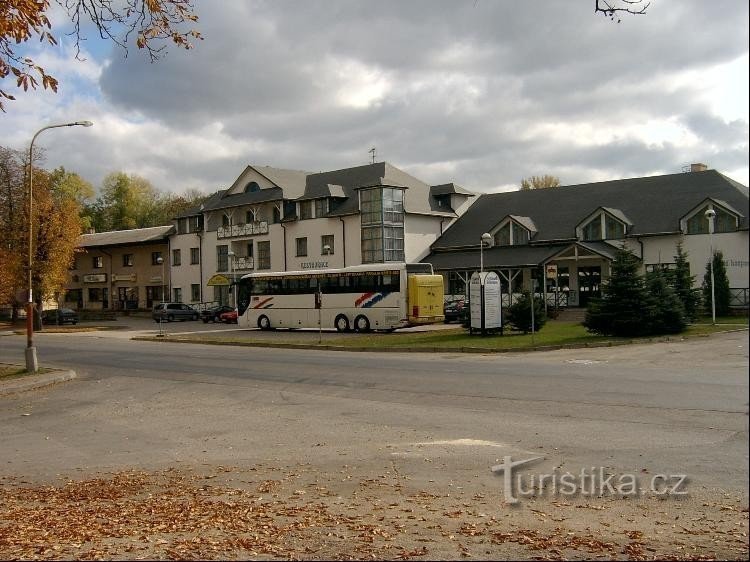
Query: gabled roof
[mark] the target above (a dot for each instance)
(124, 237)
(653, 204)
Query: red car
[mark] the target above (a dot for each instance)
(229, 317)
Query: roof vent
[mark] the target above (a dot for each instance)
(698, 167)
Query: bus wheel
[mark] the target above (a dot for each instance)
(264, 323)
(362, 324)
(342, 323)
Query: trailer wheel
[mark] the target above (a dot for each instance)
(342, 323)
(362, 324)
(264, 323)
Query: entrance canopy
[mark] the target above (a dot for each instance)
(224, 279)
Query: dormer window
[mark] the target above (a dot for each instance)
(511, 233)
(252, 187)
(603, 226)
(724, 221)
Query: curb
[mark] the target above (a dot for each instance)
(327, 347)
(32, 382)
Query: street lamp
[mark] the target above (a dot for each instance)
(486, 239)
(710, 214)
(32, 365)
(319, 304)
(230, 255)
(160, 261)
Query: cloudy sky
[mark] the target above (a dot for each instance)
(478, 92)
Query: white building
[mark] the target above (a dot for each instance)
(285, 220)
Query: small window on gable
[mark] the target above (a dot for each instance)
(723, 221)
(512, 234)
(252, 187)
(593, 229)
(614, 229)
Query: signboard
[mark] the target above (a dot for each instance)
(218, 280)
(551, 270)
(128, 277)
(95, 278)
(484, 301)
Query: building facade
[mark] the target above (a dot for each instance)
(120, 270)
(562, 240)
(272, 219)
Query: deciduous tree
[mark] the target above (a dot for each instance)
(153, 22)
(540, 182)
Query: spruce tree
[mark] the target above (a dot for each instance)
(669, 314)
(518, 314)
(683, 282)
(625, 308)
(721, 294)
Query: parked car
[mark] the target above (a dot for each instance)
(171, 311)
(453, 310)
(213, 314)
(229, 317)
(60, 316)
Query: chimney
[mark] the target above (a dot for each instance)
(698, 167)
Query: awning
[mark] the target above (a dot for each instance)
(224, 279)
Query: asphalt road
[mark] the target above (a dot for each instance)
(673, 408)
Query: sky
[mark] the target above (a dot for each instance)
(481, 93)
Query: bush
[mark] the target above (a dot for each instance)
(518, 314)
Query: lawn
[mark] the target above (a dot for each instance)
(554, 334)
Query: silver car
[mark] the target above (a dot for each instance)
(171, 311)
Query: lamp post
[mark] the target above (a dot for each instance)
(232, 289)
(486, 239)
(32, 365)
(160, 261)
(710, 214)
(326, 251)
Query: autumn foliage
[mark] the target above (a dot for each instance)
(153, 22)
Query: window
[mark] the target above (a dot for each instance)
(97, 262)
(182, 226)
(127, 260)
(195, 292)
(502, 236)
(614, 229)
(321, 207)
(176, 294)
(382, 217)
(196, 224)
(276, 215)
(224, 221)
(176, 257)
(593, 229)
(74, 295)
(222, 258)
(252, 187)
(264, 255)
(195, 256)
(290, 210)
(95, 294)
(155, 257)
(723, 221)
(305, 210)
(326, 240)
(511, 234)
(301, 247)
(650, 267)
(249, 217)
(249, 253)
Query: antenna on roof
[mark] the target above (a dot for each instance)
(372, 151)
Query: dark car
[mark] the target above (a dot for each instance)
(171, 311)
(214, 313)
(60, 316)
(229, 317)
(453, 310)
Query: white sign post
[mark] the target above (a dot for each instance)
(485, 302)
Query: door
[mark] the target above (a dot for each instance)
(589, 284)
(105, 298)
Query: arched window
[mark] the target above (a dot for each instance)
(252, 187)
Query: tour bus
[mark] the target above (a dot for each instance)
(362, 298)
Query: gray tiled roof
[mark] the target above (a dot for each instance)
(653, 205)
(500, 256)
(122, 237)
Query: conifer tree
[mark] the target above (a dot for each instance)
(669, 314)
(625, 308)
(683, 282)
(721, 294)
(519, 314)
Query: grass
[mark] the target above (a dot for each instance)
(554, 334)
(9, 372)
